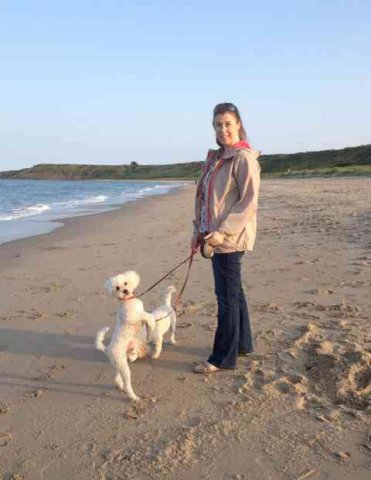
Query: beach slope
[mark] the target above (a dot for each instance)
(298, 408)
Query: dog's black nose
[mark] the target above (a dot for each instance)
(126, 291)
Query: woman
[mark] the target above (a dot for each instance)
(226, 207)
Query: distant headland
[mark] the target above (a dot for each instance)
(347, 161)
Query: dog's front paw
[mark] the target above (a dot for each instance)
(172, 340)
(134, 398)
(132, 356)
(155, 355)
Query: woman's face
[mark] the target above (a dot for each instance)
(227, 127)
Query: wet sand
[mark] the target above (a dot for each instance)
(298, 408)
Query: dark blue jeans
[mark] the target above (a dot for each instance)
(233, 334)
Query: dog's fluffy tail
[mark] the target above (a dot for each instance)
(168, 294)
(99, 345)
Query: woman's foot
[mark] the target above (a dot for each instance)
(245, 354)
(205, 368)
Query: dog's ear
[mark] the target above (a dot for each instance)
(133, 278)
(108, 287)
(136, 279)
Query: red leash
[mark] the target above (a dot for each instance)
(190, 259)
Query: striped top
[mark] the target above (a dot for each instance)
(205, 194)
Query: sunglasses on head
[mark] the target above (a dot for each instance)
(224, 107)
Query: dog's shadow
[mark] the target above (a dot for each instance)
(174, 358)
(82, 348)
(85, 389)
(56, 345)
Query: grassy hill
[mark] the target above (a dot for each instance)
(348, 161)
(105, 172)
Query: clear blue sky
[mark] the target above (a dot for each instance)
(114, 81)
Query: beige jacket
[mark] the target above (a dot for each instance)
(233, 192)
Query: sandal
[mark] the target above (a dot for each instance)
(205, 368)
(245, 354)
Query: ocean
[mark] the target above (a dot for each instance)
(35, 207)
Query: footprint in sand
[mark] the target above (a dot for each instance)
(191, 308)
(265, 334)
(269, 307)
(51, 372)
(5, 438)
(319, 371)
(255, 378)
(184, 325)
(336, 310)
(355, 283)
(35, 393)
(51, 288)
(321, 291)
(65, 314)
(4, 408)
(17, 476)
(209, 327)
(31, 314)
(36, 315)
(137, 410)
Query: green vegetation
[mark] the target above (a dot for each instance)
(352, 170)
(133, 171)
(340, 162)
(348, 161)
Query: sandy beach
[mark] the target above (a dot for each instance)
(299, 408)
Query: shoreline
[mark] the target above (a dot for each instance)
(65, 221)
(165, 180)
(72, 226)
(307, 284)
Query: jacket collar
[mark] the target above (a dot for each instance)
(231, 151)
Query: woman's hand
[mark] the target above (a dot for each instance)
(214, 239)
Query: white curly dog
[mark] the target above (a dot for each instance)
(134, 328)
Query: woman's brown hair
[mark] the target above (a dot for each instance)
(227, 107)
